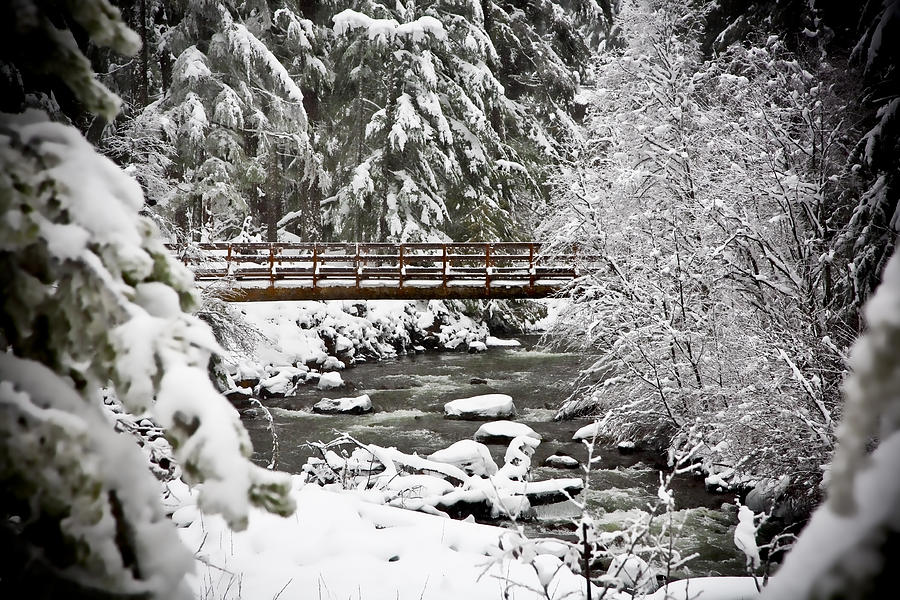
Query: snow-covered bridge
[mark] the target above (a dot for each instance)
(252, 272)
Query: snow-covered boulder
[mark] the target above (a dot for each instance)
(626, 446)
(634, 572)
(350, 406)
(477, 346)
(487, 406)
(330, 381)
(282, 382)
(561, 461)
(331, 363)
(470, 456)
(495, 342)
(501, 432)
(588, 432)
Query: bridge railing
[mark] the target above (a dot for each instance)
(382, 264)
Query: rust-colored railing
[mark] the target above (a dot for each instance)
(329, 270)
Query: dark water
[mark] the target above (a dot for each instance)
(408, 394)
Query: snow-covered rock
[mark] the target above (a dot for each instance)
(472, 457)
(634, 572)
(626, 446)
(497, 432)
(329, 381)
(477, 346)
(487, 406)
(352, 406)
(331, 364)
(282, 382)
(495, 342)
(561, 461)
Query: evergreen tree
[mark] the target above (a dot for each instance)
(91, 298)
(234, 116)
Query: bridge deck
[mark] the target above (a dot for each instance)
(351, 271)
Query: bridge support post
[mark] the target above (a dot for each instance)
(271, 265)
(315, 265)
(356, 265)
(487, 269)
(531, 268)
(402, 268)
(444, 264)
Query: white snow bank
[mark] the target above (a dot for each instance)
(357, 405)
(394, 554)
(495, 342)
(329, 381)
(472, 457)
(495, 430)
(481, 407)
(708, 588)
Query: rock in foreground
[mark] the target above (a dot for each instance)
(487, 406)
(347, 406)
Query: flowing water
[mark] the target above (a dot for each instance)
(408, 394)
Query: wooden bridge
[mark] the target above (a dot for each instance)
(255, 272)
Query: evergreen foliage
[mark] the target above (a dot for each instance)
(91, 298)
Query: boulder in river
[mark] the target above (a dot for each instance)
(347, 406)
(487, 406)
(562, 461)
(501, 432)
(329, 381)
(478, 381)
(477, 347)
(495, 342)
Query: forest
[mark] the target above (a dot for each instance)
(729, 172)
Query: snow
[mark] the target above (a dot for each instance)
(477, 346)
(745, 536)
(588, 432)
(472, 457)
(328, 381)
(481, 407)
(504, 429)
(339, 545)
(386, 30)
(708, 588)
(357, 405)
(561, 461)
(634, 572)
(495, 342)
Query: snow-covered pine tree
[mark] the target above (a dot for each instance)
(235, 117)
(422, 139)
(91, 298)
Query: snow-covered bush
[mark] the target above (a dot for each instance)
(700, 217)
(92, 298)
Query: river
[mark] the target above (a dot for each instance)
(408, 394)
